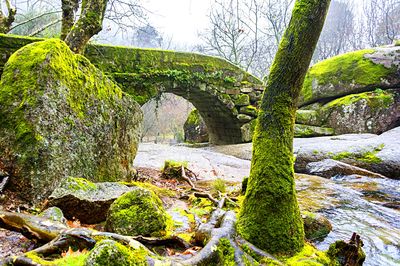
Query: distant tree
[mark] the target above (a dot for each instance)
(382, 21)
(147, 36)
(7, 16)
(270, 216)
(338, 32)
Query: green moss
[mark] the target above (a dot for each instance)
(352, 67)
(78, 183)
(397, 43)
(218, 185)
(194, 117)
(138, 212)
(111, 253)
(363, 156)
(339, 250)
(242, 100)
(226, 252)
(309, 256)
(248, 110)
(71, 260)
(160, 192)
(376, 99)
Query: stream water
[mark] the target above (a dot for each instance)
(370, 207)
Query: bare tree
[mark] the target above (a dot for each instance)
(8, 17)
(382, 21)
(338, 31)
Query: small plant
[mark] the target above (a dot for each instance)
(218, 186)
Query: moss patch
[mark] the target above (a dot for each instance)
(348, 68)
(139, 212)
(309, 256)
(226, 253)
(111, 253)
(365, 156)
(376, 99)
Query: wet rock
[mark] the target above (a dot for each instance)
(311, 131)
(54, 214)
(195, 128)
(379, 154)
(329, 168)
(86, 201)
(352, 72)
(112, 253)
(138, 212)
(316, 226)
(59, 117)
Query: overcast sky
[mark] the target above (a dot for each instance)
(179, 19)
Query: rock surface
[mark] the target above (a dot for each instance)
(138, 212)
(377, 153)
(195, 128)
(86, 201)
(60, 117)
(330, 168)
(352, 72)
(369, 112)
(316, 226)
(312, 131)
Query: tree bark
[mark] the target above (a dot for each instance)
(270, 216)
(69, 7)
(6, 21)
(89, 23)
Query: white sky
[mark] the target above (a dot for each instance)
(179, 19)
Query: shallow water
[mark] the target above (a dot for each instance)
(370, 207)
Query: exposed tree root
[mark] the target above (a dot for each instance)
(221, 225)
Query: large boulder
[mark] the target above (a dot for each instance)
(195, 128)
(86, 201)
(352, 72)
(59, 117)
(380, 154)
(329, 168)
(369, 112)
(139, 212)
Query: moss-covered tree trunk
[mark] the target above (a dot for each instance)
(69, 7)
(89, 23)
(270, 216)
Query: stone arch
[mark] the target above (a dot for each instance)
(225, 95)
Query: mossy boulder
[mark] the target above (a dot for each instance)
(112, 253)
(139, 212)
(306, 131)
(195, 128)
(308, 117)
(316, 226)
(59, 117)
(86, 201)
(352, 72)
(54, 214)
(369, 112)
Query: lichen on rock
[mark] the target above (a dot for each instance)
(60, 116)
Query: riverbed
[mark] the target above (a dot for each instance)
(370, 207)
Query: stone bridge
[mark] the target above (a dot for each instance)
(225, 95)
